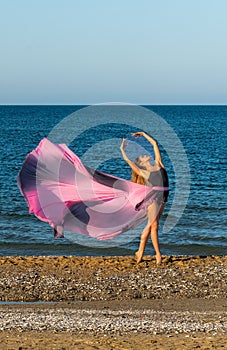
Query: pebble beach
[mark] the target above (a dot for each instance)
(113, 303)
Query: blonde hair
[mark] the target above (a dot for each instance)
(137, 178)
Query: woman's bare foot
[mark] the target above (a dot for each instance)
(138, 257)
(158, 259)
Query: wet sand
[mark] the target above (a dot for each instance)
(112, 303)
(53, 341)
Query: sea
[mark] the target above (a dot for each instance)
(201, 131)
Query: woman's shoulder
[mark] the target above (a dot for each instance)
(159, 164)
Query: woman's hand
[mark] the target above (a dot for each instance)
(138, 134)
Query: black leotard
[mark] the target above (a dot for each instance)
(159, 178)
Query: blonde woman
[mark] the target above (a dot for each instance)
(155, 176)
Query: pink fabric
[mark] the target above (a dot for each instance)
(60, 190)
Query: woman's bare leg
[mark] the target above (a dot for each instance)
(143, 241)
(154, 213)
(155, 241)
(154, 234)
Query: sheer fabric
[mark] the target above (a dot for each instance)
(62, 191)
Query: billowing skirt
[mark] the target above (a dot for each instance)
(62, 191)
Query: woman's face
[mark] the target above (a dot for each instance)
(144, 159)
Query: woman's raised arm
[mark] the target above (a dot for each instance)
(158, 157)
(130, 163)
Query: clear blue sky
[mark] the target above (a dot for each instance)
(94, 51)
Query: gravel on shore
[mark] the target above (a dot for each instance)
(113, 303)
(111, 320)
(111, 278)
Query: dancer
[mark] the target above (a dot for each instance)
(144, 173)
(70, 196)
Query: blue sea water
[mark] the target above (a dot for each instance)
(201, 229)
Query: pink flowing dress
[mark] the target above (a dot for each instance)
(68, 195)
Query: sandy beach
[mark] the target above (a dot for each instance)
(113, 303)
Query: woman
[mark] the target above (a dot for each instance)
(70, 196)
(143, 172)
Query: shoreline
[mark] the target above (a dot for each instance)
(111, 302)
